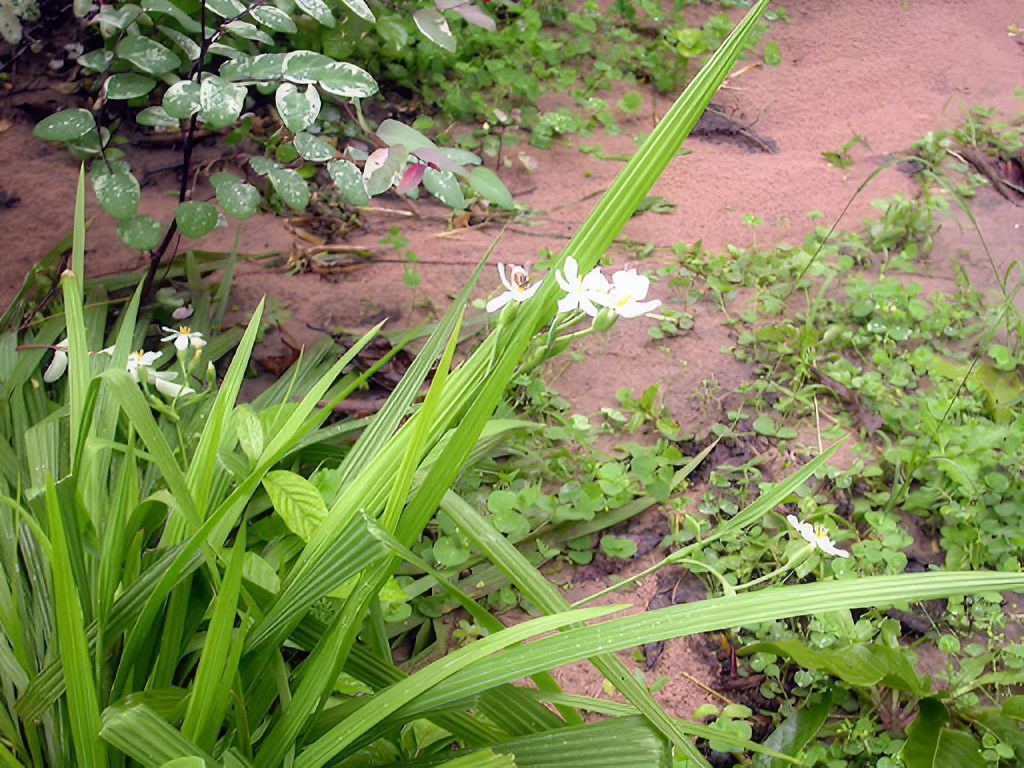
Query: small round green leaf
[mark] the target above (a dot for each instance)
(148, 55)
(141, 233)
(445, 187)
(10, 27)
(486, 183)
(298, 108)
(66, 125)
(238, 199)
(96, 61)
(290, 187)
(349, 181)
(220, 102)
(117, 190)
(195, 219)
(313, 149)
(181, 100)
(128, 86)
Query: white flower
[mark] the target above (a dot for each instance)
(517, 287)
(140, 359)
(817, 537)
(627, 294)
(581, 291)
(59, 364)
(183, 337)
(164, 383)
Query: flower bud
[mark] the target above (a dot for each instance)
(605, 320)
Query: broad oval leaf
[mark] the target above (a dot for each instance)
(239, 199)
(196, 219)
(313, 149)
(291, 187)
(411, 178)
(156, 117)
(349, 181)
(473, 14)
(434, 27)
(220, 102)
(304, 66)
(296, 500)
(445, 187)
(148, 55)
(487, 184)
(181, 100)
(318, 10)
(381, 170)
(66, 125)
(394, 132)
(118, 191)
(141, 233)
(226, 9)
(10, 27)
(96, 61)
(128, 86)
(274, 18)
(346, 80)
(298, 109)
(188, 46)
(264, 66)
(360, 9)
(261, 165)
(249, 31)
(167, 8)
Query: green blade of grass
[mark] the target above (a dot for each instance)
(147, 738)
(79, 364)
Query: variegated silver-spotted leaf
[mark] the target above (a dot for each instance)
(196, 219)
(117, 189)
(274, 18)
(249, 32)
(96, 61)
(10, 27)
(318, 10)
(265, 66)
(347, 80)
(148, 55)
(141, 233)
(127, 86)
(239, 199)
(349, 181)
(228, 51)
(434, 27)
(220, 102)
(383, 168)
(304, 67)
(445, 187)
(360, 9)
(291, 187)
(226, 9)
(155, 117)
(298, 108)
(181, 100)
(261, 165)
(313, 149)
(167, 8)
(66, 125)
(187, 45)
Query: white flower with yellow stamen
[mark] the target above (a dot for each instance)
(627, 293)
(817, 537)
(183, 337)
(581, 291)
(517, 287)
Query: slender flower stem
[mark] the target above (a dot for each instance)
(798, 557)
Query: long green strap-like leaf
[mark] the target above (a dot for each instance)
(773, 604)
(83, 702)
(378, 708)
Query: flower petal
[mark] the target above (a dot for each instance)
(568, 303)
(57, 366)
(636, 308)
(499, 301)
(181, 343)
(828, 547)
(503, 278)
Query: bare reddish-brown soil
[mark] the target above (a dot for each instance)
(890, 71)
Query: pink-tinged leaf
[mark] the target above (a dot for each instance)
(434, 157)
(412, 178)
(375, 162)
(475, 16)
(447, 5)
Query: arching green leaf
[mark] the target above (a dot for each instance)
(296, 500)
